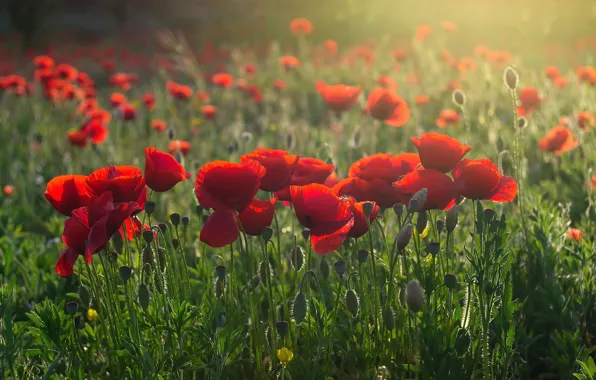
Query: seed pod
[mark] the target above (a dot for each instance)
(71, 308)
(451, 219)
(433, 248)
(117, 242)
(144, 296)
(113, 257)
(150, 207)
(522, 122)
(163, 227)
(175, 243)
(282, 328)
(125, 273)
(85, 296)
(175, 219)
(300, 308)
(421, 221)
(356, 138)
(362, 256)
(414, 296)
(440, 225)
(185, 221)
(418, 200)
(458, 98)
(398, 209)
(220, 271)
(266, 234)
(148, 236)
(147, 255)
(170, 133)
(297, 257)
(511, 78)
(489, 215)
(324, 267)
(352, 302)
(389, 318)
(450, 281)
(340, 267)
(219, 288)
(367, 208)
(404, 236)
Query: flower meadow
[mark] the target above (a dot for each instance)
(384, 210)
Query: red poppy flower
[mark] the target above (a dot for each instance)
(162, 171)
(43, 62)
(575, 234)
(117, 99)
(279, 84)
(96, 131)
(480, 179)
(558, 140)
(339, 97)
(307, 171)
(209, 111)
(149, 101)
(422, 99)
(529, 99)
(86, 106)
(441, 189)
(387, 82)
(66, 193)
(560, 82)
(8, 190)
(385, 105)
(126, 183)
(585, 120)
(552, 72)
(178, 91)
(99, 115)
(279, 166)
(440, 152)
(89, 229)
(300, 26)
(448, 26)
(257, 216)
(466, 64)
(446, 118)
(326, 215)
(66, 72)
(422, 32)
(289, 62)
(332, 180)
(222, 184)
(360, 226)
(158, 125)
(223, 80)
(400, 55)
(331, 47)
(220, 229)
(586, 74)
(77, 138)
(129, 113)
(179, 146)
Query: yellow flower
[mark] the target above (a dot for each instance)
(92, 315)
(285, 356)
(424, 233)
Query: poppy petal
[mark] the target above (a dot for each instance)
(220, 229)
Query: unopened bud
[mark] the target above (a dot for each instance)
(433, 248)
(267, 233)
(352, 302)
(71, 308)
(282, 328)
(220, 270)
(450, 281)
(414, 296)
(185, 221)
(440, 225)
(125, 273)
(144, 296)
(398, 209)
(297, 258)
(148, 236)
(324, 267)
(367, 207)
(418, 200)
(362, 256)
(175, 219)
(511, 78)
(389, 319)
(150, 207)
(451, 219)
(300, 308)
(340, 267)
(522, 122)
(199, 210)
(421, 222)
(404, 236)
(458, 98)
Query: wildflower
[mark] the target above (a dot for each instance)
(279, 165)
(179, 146)
(361, 225)
(124, 183)
(92, 315)
(209, 111)
(440, 152)
(558, 140)
(223, 80)
(8, 190)
(385, 105)
(307, 171)
(480, 179)
(339, 97)
(530, 100)
(575, 234)
(162, 171)
(446, 118)
(289, 62)
(300, 27)
(178, 91)
(158, 125)
(441, 189)
(66, 193)
(257, 216)
(117, 99)
(285, 356)
(585, 120)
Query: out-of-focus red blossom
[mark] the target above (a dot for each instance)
(360, 226)
(8, 190)
(560, 82)
(422, 99)
(586, 74)
(466, 64)
(96, 131)
(448, 26)
(279, 166)
(289, 62)
(585, 120)
(552, 72)
(422, 32)
(77, 138)
(126, 184)
(592, 183)
(307, 171)
(129, 113)
(441, 189)
(481, 179)
(339, 97)
(440, 152)
(387, 82)
(224, 185)
(90, 228)
(558, 140)
(300, 26)
(100, 115)
(448, 58)
(209, 111)
(331, 47)
(162, 171)
(179, 146)
(575, 234)
(279, 84)
(223, 80)
(257, 216)
(158, 125)
(446, 118)
(66, 72)
(43, 62)
(108, 65)
(498, 57)
(328, 217)
(178, 91)
(203, 96)
(149, 101)
(67, 192)
(86, 106)
(220, 228)
(529, 100)
(117, 99)
(124, 81)
(249, 69)
(385, 105)
(400, 55)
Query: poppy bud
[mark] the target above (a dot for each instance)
(297, 258)
(418, 200)
(362, 256)
(220, 321)
(450, 281)
(414, 296)
(175, 243)
(199, 210)
(147, 255)
(246, 137)
(451, 220)
(367, 207)
(144, 296)
(117, 242)
(219, 288)
(404, 236)
(171, 133)
(352, 302)
(149, 207)
(324, 267)
(421, 221)
(163, 227)
(148, 236)
(340, 267)
(220, 270)
(511, 78)
(440, 225)
(282, 328)
(398, 209)
(433, 248)
(489, 215)
(147, 270)
(300, 308)
(71, 308)
(125, 273)
(458, 98)
(185, 221)
(175, 219)
(266, 234)
(389, 319)
(305, 234)
(522, 122)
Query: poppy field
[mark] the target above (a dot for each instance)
(381, 210)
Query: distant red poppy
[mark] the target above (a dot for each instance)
(279, 165)
(77, 138)
(149, 101)
(289, 62)
(400, 55)
(125, 183)
(466, 64)
(422, 99)
(65, 71)
(67, 192)
(585, 120)
(575, 234)
(227, 185)
(481, 179)
(117, 99)
(129, 113)
(209, 111)
(558, 140)
(162, 171)
(529, 99)
(158, 125)
(203, 96)
(220, 228)
(552, 72)
(385, 105)
(223, 80)
(586, 74)
(331, 47)
(178, 91)
(96, 131)
(360, 226)
(8, 190)
(448, 26)
(422, 32)
(43, 62)
(300, 26)
(179, 146)
(249, 69)
(326, 215)
(86, 106)
(440, 152)
(446, 118)
(339, 97)
(560, 82)
(592, 184)
(279, 84)
(100, 115)
(441, 189)
(90, 228)
(257, 216)
(108, 65)
(387, 82)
